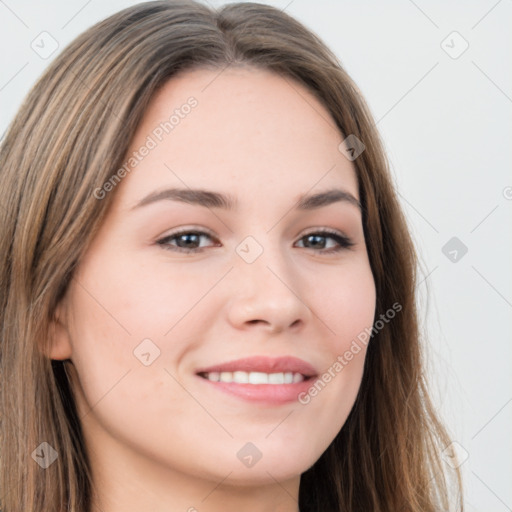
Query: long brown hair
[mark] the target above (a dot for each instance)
(71, 135)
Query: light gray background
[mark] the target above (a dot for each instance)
(447, 126)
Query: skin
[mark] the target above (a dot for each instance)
(159, 437)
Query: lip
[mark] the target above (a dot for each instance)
(267, 394)
(264, 364)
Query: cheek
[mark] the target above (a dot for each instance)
(126, 314)
(126, 302)
(121, 359)
(345, 304)
(152, 299)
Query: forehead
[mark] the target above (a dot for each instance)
(248, 130)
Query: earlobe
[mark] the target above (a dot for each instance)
(59, 343)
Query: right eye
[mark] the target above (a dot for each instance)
(186, 241)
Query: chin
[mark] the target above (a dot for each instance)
(251, 467)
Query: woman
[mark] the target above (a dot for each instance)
(207, 281)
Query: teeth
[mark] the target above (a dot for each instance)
(258, 378)
(215, 376)
(276, 378)
(240, 377)
(226, 377)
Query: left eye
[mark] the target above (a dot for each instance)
(318, 240)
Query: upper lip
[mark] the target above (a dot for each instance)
(263, 364)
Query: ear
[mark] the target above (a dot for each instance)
(59, 343)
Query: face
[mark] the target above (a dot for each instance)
(198, 330)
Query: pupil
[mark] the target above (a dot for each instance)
(317, 240)
(188, 239)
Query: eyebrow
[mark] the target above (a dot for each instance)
(210, 199)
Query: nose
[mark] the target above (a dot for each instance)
(266, 295)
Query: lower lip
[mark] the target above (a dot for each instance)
(271, 394)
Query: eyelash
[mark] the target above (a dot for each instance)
(343, 241)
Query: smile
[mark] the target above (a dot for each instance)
(267, 380)
(241, 377)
